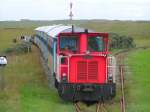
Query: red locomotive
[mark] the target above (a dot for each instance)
(80, 62)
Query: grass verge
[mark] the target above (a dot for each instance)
(26, 87)
(138, 83)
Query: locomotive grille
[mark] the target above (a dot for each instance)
(87, 71)
(92, 70)
(82, 71)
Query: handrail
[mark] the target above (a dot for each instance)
(59, 63)
(111, 67)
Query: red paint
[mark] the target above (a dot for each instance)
(101, 72)
(81, 69)
(83, 43)
(64, 69)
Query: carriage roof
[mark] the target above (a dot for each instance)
(54, 30)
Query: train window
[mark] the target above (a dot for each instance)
(96, 44)
(69, 43)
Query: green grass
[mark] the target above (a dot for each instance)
(7, 36)
(41, 99)
(138, 85)
(136, 29)
(26, 86)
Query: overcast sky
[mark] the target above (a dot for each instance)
(82, 9)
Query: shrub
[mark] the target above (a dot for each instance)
(21, 48)
(120, 42)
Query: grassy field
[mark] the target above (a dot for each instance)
(136, 29)
(26, 86)
(138, 81)
(8, 34)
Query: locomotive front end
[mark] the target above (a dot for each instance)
(85, 71)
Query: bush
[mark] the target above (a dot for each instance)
(24, 47)
(120, 42)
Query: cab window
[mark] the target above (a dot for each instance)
(96, 44)
(68, 43)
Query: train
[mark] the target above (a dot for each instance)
(79, 61)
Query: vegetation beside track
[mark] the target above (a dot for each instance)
(139, 30)
(26, 85)
(138, 81)
(8, 35)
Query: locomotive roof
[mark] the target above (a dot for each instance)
(54, 30)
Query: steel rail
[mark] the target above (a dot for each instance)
(122, 100)
(77, 107)
(100, 107)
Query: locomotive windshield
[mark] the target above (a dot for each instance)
(96, 44)
(68, 43)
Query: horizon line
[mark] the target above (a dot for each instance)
(19, 20)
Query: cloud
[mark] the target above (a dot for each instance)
(82, 9)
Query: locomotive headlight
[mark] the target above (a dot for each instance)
(110, 78)
(64, 77)
(87, 52)
(64, 74)
(110, 75)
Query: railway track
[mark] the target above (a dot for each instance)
(121, 68)
(122, 100)
(100, 107)
(77, 107)
(121, 56)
